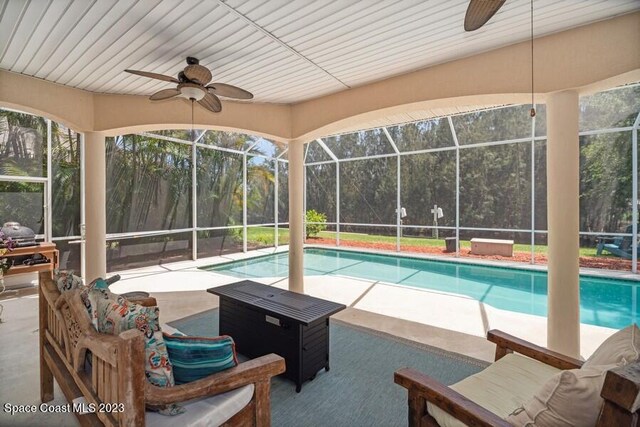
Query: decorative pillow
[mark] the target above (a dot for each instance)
(116, 314)
(569, 398)
(619, 349)
(194, 358)
(66, 280)
(97, 290)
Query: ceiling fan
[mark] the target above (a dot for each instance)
(193, 84)
(479, 12)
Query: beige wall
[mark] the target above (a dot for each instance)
(582, 58)
(71, 107)
(120, 114)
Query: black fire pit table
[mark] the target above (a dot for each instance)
(262, 319)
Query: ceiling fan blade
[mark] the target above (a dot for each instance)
(197, 73)
(164, 94)
(479, 12)
(153, 75)
(229, 91)
(211, 103)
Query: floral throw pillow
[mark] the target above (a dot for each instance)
(115, 314)
(97, 290)
(66, 280)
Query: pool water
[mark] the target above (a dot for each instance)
(605, 302)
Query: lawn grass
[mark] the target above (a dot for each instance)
(422, 241)
(265, 236)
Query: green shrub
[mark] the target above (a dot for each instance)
(318, 217)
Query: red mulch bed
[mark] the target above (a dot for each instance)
(608, 263)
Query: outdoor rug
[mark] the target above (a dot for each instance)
(359, 389)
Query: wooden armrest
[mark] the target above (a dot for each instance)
(506, 343)
(447, 399)
(253, 371)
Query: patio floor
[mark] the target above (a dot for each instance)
(447, 321)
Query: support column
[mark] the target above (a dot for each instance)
(95, 206)
(563, 168)
(296, 215)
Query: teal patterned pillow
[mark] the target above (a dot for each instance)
(194, 358)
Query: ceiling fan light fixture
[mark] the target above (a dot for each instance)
(191, 91)
(192, 83)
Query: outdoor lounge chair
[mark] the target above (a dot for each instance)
(514, 386)
(619, 246)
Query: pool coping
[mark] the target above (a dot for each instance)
(508, 265)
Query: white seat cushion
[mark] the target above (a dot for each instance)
(169, 330)
(502, 387)
(208, 412)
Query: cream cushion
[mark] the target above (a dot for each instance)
(619, 349)
(210, 411)
(501, 388)
(569, 399)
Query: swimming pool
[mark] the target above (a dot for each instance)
(603, 302)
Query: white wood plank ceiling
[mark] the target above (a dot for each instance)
(283, 51)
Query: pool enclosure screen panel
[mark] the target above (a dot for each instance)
(423, 135)
(219, 188)
(66, 182)
(495, 186)
(368, 190)
(428, 180)
(148, 184)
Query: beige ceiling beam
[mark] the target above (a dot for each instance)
(122, 114)
(66, 105)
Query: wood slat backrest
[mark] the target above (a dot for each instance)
(114, 372)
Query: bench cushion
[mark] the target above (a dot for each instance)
(211, 411)
(501, 388)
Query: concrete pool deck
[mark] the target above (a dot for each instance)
(446, 320)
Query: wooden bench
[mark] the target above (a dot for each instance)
(491, 247)
(620, 391)
(116, 375)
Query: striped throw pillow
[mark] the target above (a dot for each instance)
(194, 358)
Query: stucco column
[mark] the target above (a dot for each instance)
(296, 215)
(95, 206)
(563, 168)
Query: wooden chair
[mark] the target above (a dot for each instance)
(621, 389)
(117, 373)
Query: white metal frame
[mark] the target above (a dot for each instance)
(245, 153)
